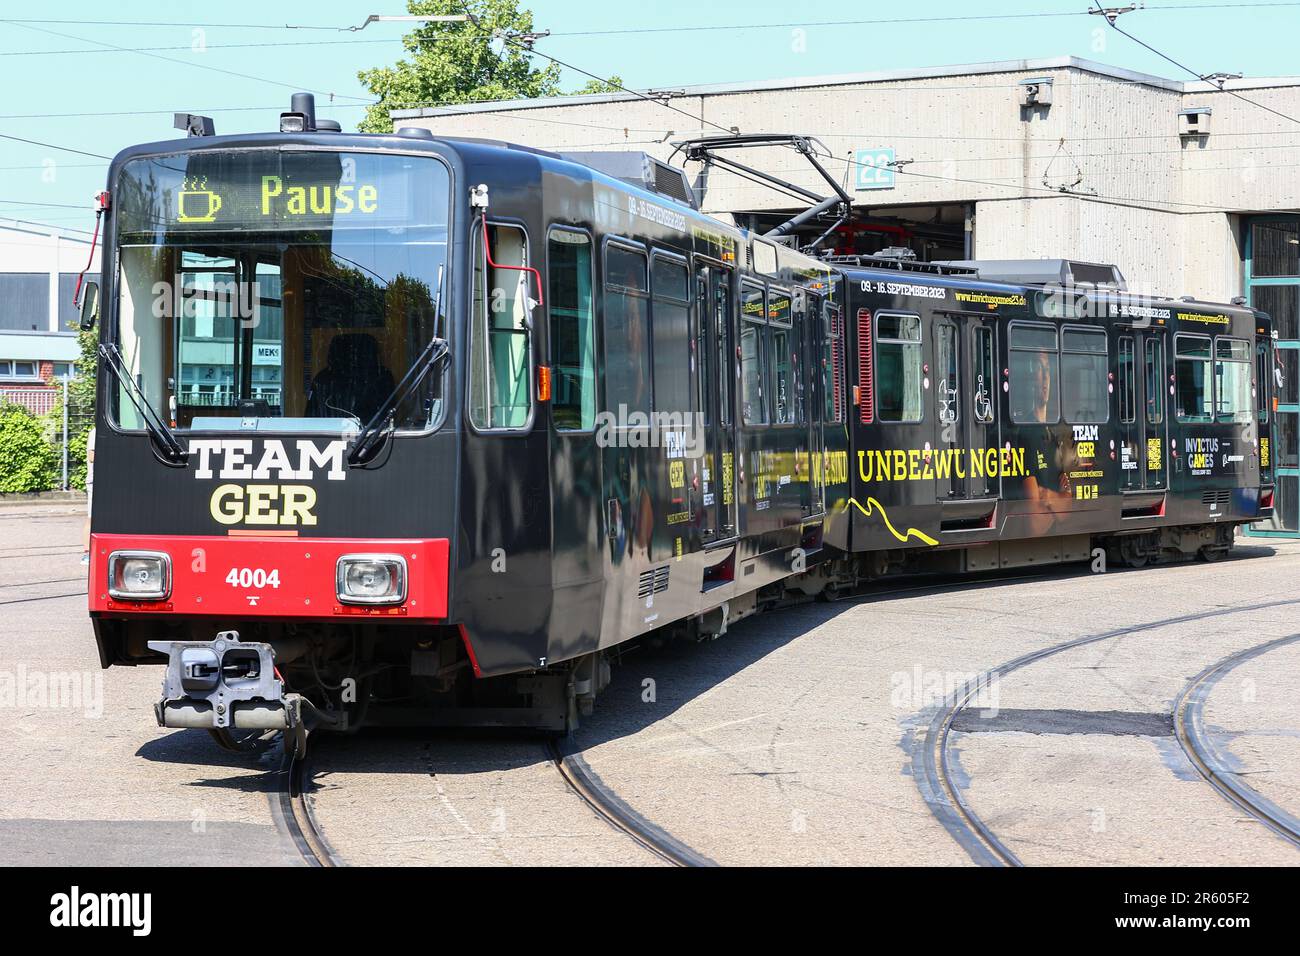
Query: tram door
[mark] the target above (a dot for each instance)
(814, 318)
(717, 369)
(964, 379)
(1140, 383)
(1153, 454)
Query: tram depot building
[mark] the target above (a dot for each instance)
(1190, 190)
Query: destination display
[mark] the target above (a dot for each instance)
(259, 190)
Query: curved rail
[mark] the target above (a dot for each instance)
(1189, 728)
(293, 811)
(931, 766)
(605, 804)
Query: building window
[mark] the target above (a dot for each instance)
(19, 370)
(627, 332)
(1083, 376)
(69, 316)
(898, 368)
(1192, 388)
(26, 298)
(500, 347)
(1275, 248)
(1035, 372)
(1273, 286)
(573, 330)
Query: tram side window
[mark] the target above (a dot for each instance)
(1263, 386)
(947, 385)
(727, 371)
(1192, 387)
(573, 330)
(702, 374)
(1232, 372)
(833, 366)
(986, 376)
(753, 408)
(671, 348)
(898, 368)
(1155, 381)
(803, 386)
(1035, 396)
(500, 357)
(627, 332)
(783, 381)
(1084, 392)
(1127, 381)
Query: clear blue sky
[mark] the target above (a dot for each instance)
(1209, 36)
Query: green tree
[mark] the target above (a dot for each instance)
(459, 62)
(27, 459)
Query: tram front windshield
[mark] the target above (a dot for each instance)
(284, 289)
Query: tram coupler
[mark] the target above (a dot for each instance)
(224, 683)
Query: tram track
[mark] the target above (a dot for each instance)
(293, 813)
(932, 766)
(607, 805)
(1189, 730)
(40, 551)
(43, 597)
(33, 584)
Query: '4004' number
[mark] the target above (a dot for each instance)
(253, 578)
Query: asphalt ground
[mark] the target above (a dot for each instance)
(790, 740)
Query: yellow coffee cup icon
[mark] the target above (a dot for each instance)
(191, 201)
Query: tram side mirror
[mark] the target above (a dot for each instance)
(89, 305)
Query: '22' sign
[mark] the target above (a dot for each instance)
(874, 169)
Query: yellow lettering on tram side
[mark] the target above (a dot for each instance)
(916, 464)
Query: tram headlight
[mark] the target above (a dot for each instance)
(139, 575)
(371, 579)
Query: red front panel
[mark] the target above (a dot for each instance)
(271, 576)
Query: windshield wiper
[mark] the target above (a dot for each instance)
(164, 440)
(369, 437)
(367, 440)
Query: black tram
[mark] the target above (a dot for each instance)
(439, 423)
(1012, 414)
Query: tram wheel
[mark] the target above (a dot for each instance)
(246, 742)
(1210, 554)
(1133, 557)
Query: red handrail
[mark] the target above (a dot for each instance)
(487, 247)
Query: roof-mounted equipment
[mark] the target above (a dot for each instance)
(194, 125)
(1045, 272)
(706, 149)
(639, 169)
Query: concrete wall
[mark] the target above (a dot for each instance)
(1164, 207)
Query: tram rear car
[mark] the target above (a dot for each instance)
(1001, 425)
